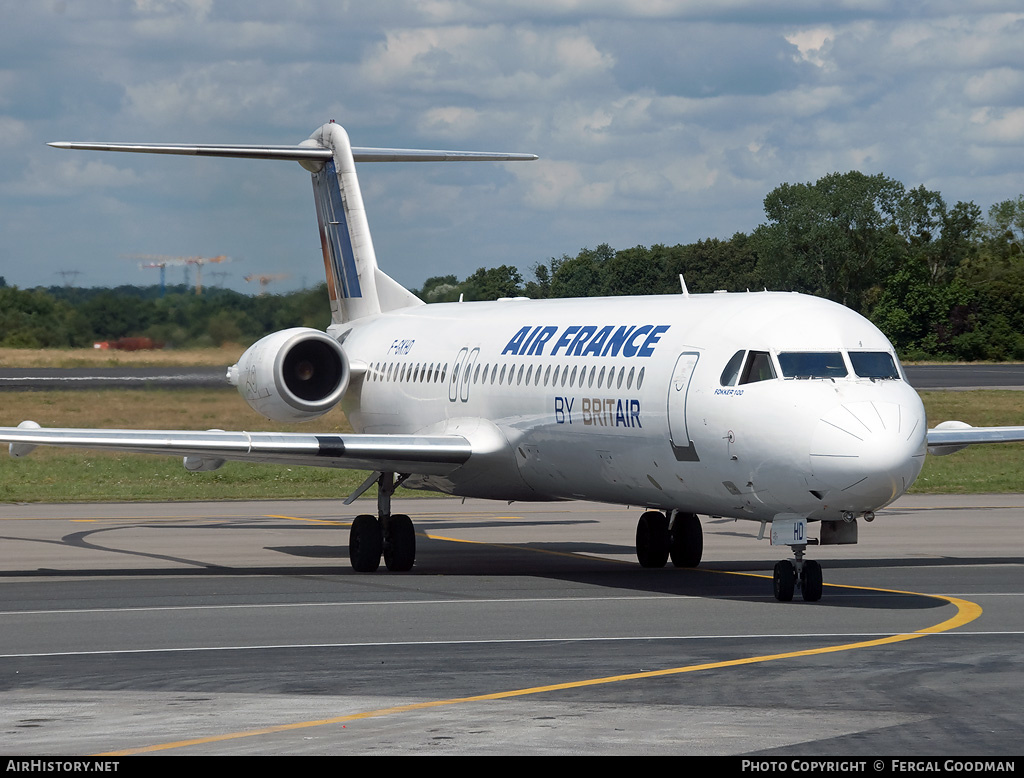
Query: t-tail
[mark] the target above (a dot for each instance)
(357, 287)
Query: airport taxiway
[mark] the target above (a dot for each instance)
(238, 628)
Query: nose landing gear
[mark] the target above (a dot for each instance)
(799, 573)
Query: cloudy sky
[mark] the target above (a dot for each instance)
(657, 121)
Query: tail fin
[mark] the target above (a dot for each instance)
(357, 287)
(349, 260)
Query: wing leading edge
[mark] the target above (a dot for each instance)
(951, 436)
(419, 454)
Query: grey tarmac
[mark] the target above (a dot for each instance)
(238, 628)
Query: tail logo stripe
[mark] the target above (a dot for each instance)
(334, 226)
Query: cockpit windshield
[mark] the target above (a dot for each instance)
(748, 367)
(873, 364)
(812, 364)
(756, 367)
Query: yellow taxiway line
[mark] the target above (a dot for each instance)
(966, 612)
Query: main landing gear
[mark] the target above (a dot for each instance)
(392, 536)
(799, 573)
(658, 537)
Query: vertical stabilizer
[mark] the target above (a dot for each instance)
(349, 260)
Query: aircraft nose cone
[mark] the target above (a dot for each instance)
(866, 454)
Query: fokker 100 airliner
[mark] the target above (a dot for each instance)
(779, 408)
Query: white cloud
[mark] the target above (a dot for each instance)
(451, 121)
(998, 86)
(213, 93)
(196, 9)
(495, 62)
(812, 44)
(70, 177)
(14, 133)
(655, 121)
(561, 184)
(999, 126)
(642, 183)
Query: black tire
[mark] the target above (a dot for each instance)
(400, 544)
(784, 580)
(652, 540)
(811, 581)
(365, 543)
(687, 543)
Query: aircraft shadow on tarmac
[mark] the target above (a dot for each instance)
(577, 562)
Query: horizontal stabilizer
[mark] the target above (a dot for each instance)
(300, 153)
(356, 287)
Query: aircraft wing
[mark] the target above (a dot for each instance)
(951, 436)
(419, 454)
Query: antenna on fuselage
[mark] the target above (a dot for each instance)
(682, 283)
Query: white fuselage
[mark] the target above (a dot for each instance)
(623, 400)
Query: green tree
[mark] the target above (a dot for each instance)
(439, 289)
(581, 276)
(835, 238)
(492, 283)
(1005, 227)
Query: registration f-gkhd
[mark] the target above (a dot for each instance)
(778, 408)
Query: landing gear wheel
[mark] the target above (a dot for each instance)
(687, 543)
(784, 580)
(399, 544)
(810, 581)
(652, 541)
(365, 543)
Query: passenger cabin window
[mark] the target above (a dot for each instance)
(812, 364)
(874, 364)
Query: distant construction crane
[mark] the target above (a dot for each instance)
(265, 279)
(161, 261)
(219, 276)
(163, 276)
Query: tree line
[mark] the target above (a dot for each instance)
(72, 317)
(941, 281)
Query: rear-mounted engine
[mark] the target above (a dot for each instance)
(292, 375)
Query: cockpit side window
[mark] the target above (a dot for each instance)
(874, 364)
(732, 369)
(812, 364)
(758, 368)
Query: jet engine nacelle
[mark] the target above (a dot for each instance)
(292, 375)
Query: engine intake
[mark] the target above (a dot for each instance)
(292, 375)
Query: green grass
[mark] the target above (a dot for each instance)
(56, 475)
(67, 475)
(71, 477)
(976, 469)
(88, 357)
